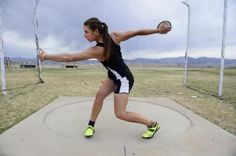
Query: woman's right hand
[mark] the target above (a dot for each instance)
(42, 54)
(164, 30)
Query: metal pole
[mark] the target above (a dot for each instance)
(37, 41)
(221, 76)
(3, 69)
(187, 43)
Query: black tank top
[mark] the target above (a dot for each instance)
(117, 69)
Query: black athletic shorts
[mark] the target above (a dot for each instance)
(124, 84)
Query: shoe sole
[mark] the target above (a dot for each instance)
(88, 136)
(153, 133)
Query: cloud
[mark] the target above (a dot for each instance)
(213, 52)
(16, 40)
(60, 25)
(230, 53)
(152, 54)
(26, 47)
(54, 45)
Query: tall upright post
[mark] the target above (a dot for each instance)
(3, 69)
(37, 41)
(187, 43)
(221, 76)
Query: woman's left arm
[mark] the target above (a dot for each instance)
(93, 52)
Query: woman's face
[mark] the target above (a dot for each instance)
(89, 34)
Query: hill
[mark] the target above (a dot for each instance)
(174, 61)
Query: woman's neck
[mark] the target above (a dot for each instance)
(99, 40)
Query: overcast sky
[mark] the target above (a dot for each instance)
(61, 22)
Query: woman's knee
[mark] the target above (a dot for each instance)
(120, 115)
(100, 96)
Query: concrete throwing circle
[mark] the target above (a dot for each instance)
(70, 121)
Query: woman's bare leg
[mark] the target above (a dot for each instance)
(120, 104)
(106, 88)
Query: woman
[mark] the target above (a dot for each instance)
(120, 80)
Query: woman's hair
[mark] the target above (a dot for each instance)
(94, 23)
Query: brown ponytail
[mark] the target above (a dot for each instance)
(94, 23)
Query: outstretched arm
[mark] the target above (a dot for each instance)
(122, 36)
(93, 52)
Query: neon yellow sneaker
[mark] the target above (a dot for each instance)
(89, 131)
(150, 132)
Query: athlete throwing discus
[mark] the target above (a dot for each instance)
(119, 80)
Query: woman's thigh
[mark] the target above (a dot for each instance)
(105, 89)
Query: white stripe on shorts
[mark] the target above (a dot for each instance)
(124, 87)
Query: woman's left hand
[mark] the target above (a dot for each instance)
(42, 54)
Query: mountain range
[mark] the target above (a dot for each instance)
(174, 61)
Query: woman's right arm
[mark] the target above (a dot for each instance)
(123, 36)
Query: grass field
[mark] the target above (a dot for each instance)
(25, 95)
(206, 79)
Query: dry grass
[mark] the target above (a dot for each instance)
(25, 96)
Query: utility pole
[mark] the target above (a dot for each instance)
(2, 60)
(221, 77)
(187, 43)
(37, 41)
